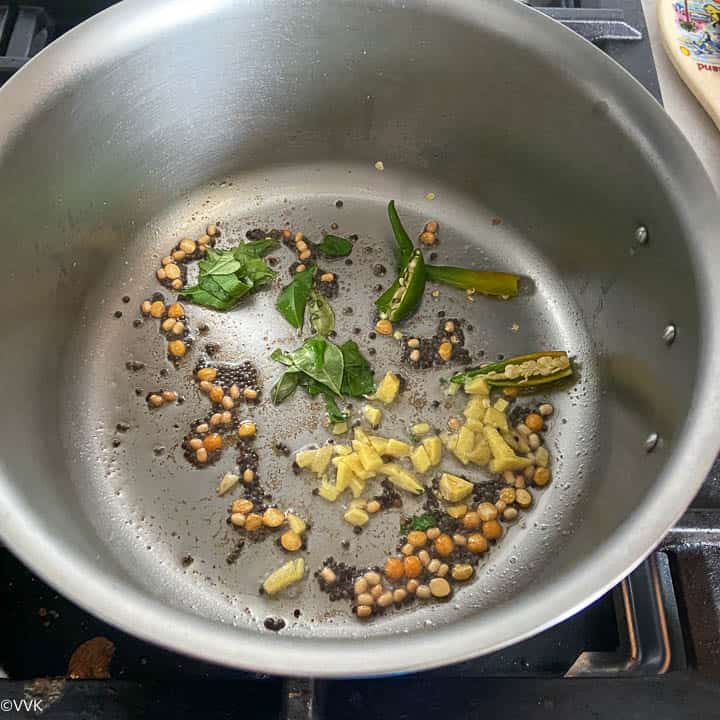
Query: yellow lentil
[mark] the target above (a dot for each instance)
(253, 522)
(507, 495)
(477, 544)
(486, 511)
(412, 566)
(247, 429)
(492, 529)
(445, 350)
(206, 374)
(439, 587)
(273, 517)
(177, 348)
(444, 545)
(393, 568)
(243, 505)
(187, 246)
(157, 309)
(462, 572)
(212, 442)
(291, 541)
(541, 477)
(534, 422)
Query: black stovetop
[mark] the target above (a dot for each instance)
(651, 647)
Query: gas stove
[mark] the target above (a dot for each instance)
(651, 646)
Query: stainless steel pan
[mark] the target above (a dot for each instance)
(154, 118)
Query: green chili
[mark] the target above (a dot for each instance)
(486, 282)
(404, 243)
(383, 302)
(522, 371)
(401, 299)
(407, 290)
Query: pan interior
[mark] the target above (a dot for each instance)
(116, 144)
(154, 508)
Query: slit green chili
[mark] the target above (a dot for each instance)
(402, 298)
(527, 371)
(383, 302)
(405, 245)
(486, 282)
(407, 290)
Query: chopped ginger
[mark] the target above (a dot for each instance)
(388, 388)
(284, 576)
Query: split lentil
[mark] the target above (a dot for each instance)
(492, 529)
(523, 498)
(412, 567)
(247, 430)
(440, 587)
(541, 476)
(462, 572)
(534, 422)
(393, 568)
(291, 541)
(238, 519)
(477, 544)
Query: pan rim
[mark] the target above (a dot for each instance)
(96, 590)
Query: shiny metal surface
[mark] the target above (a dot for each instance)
(115, 144)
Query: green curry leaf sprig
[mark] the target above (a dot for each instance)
(227, 276)
(323, 368)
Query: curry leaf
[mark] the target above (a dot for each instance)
(220, 292)
(335, 246)
(322, 361)
(285, 386)
(256, 248)
(225, 277)
(323, 368)
(322, 317)
(334, 412)
(293, 298)
(358, 375)
(218, 262)
(313, 387)
(255, 272)
(282, 357)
